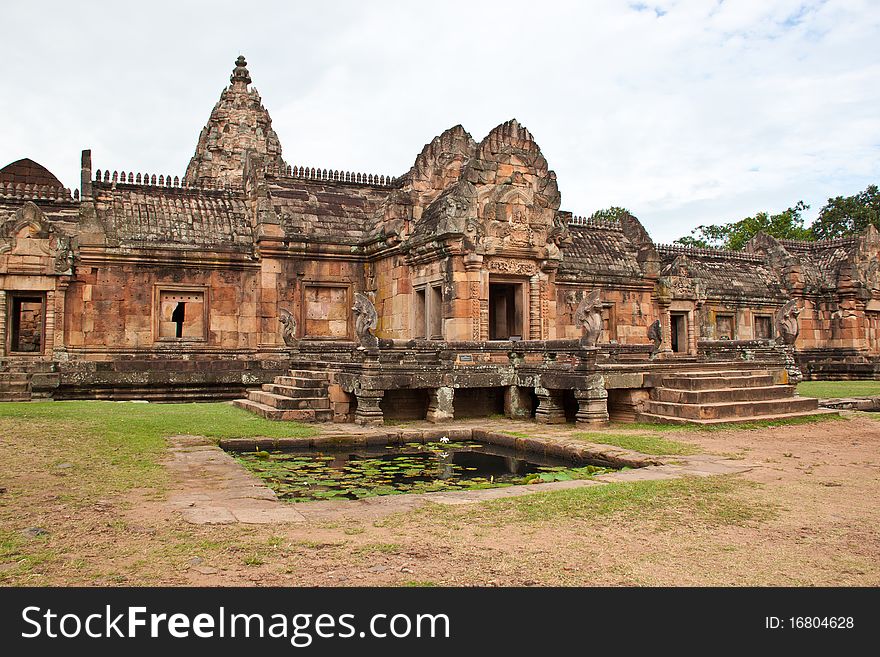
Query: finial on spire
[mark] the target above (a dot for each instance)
(240, 72)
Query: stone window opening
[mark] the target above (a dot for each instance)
(763, 327)
(27, 319)
(419, 314)
(428, 312)
(724, 327)
(182, 315)
(435, 313)
(505, 311)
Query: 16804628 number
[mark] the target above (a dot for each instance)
(820, 622)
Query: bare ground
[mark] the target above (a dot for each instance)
(805, 514)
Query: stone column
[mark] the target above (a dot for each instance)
(534, 308)
(60, 295)
(551, 408)
(440, 404)
(368, 410)
(49, 326)
(3, 315)
(477, 296)
(517, 403)
(665, 330)
(592, 401)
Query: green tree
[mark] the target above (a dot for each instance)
(845, 215)
(788, 224)
(613, 213)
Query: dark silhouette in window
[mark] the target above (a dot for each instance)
(178, 317)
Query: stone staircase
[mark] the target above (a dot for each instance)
(299, 395)
(26, 379)
(15, 386)
(724, 397)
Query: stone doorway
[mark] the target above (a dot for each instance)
(678, 332)
(505, 311)
(27, 317)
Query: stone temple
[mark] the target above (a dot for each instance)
(459, 288)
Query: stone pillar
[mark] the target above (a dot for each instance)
(517, 403)
(551, 408)
(3, 315)
(440, 404)
(535, 308)
(477, 297)
(59, 343)
(368, 410)
(665, 330)
(49, 326)
(592, 401)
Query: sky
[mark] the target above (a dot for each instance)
(686, 112)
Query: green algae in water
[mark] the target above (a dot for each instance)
(307, 475)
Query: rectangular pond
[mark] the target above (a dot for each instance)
(307, 474)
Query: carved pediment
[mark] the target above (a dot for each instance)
(29, 233)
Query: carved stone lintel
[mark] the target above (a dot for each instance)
(369, 411)
(440, 406)
(551, 407)
(592, 401)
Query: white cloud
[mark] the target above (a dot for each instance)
(686, 112)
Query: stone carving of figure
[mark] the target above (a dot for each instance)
(588, 316)
(64, 257)
(557, 236)
(365, 320)
(787, 322)
(655, 335)
(288, 327)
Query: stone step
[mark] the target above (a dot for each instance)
(7, 386)
(668, 419)
(717, 382)
(14, 377)
(284, 402)
(301, 382)
(6, 396)
(721, 373)
(301, 415)
(723, 410)
(761, 393)
(308, 374)
(296, 393)
(26, 365)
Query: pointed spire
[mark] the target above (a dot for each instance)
(240, 77)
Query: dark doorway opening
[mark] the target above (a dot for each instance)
(27, 325)
(505, 311)
(679, 336)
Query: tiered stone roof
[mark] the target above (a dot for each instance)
(174, 217)
(598, 250)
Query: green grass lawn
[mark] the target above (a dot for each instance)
(112, 446)
(640, 443)
(716, 500)
(830, 389)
